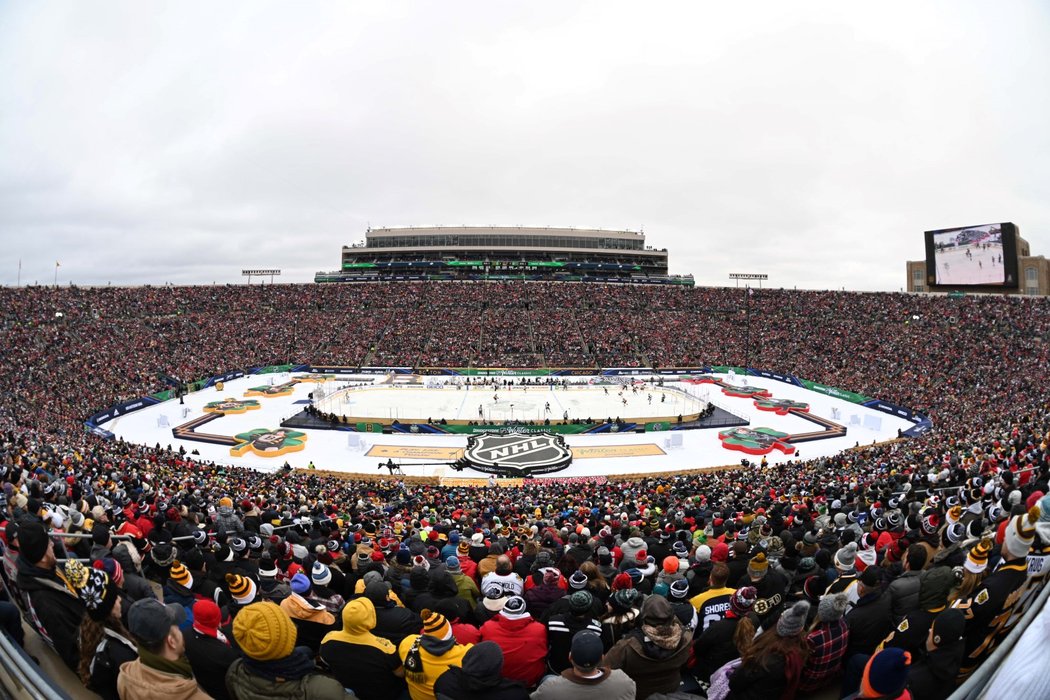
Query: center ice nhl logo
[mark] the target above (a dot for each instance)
(268, 443)
(517, 453)
(757, 441)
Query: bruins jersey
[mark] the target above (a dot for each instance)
(910, 633)
(1038, 566)
(988, 610)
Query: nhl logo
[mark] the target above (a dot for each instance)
(517, 454)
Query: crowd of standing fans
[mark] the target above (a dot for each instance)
(890, 570)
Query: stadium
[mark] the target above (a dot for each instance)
(772, 438)
(285, 416)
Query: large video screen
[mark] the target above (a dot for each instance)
(972, 256)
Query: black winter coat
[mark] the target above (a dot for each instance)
(453, 684)
(869, 622)
(210, 659)
(112, 651)
(932, 676)
(58, 610)
(753, 682)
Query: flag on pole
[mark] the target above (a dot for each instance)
(57, 264)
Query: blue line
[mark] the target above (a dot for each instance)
(558, 401)
(466, 393)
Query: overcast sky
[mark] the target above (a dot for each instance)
(144, 142)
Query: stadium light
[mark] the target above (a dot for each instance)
(748, 276)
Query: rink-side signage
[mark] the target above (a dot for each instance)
(122, 408)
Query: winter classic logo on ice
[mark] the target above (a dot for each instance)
(517, 451)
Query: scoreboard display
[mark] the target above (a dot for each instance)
(972, 256)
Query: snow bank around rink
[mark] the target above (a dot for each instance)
(332, 450)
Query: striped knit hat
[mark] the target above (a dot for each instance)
(1020, 532)
(977, 559)
(180, 574)
(242, 589)
(435, 624)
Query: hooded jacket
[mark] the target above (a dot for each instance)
(441, 587)
(438, 655)
(392, 622)
(524, 645)
(312, 622)
(226, 521)
(358, 658)
(630, 550)
(653, 654)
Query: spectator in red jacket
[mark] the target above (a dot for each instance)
(522, 639)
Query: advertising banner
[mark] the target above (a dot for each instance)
(850, 396)
(212, 381)
(120, 409)
(786, 378)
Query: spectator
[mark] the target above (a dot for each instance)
(563, 627)
(713, 604)
(986, 610)
(313, 621)
(208, 649)
(393, 622)
(479, 678)
(465, 586)
(904, 590)
(361, 661)
(272, 666)
(933, 672)
(869, 621)
(428, 655)
(772, 666)
(886, 676)
(827, 640)
(162, 669)
(539, 597)
(588, 677)
(522, 639)
(464, 632)
(728, 638)
(503, 575)
(911, 633)
(654, 654)
(58, 609)
(105, 644)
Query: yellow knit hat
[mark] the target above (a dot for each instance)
(242, 588)
(264, 632)
(435, 624)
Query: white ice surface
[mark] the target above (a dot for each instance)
(328, 449)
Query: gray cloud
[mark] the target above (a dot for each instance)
(151, 142)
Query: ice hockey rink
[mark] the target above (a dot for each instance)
(594, 455)
(455, 401)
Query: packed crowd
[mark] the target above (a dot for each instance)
(886, 571)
